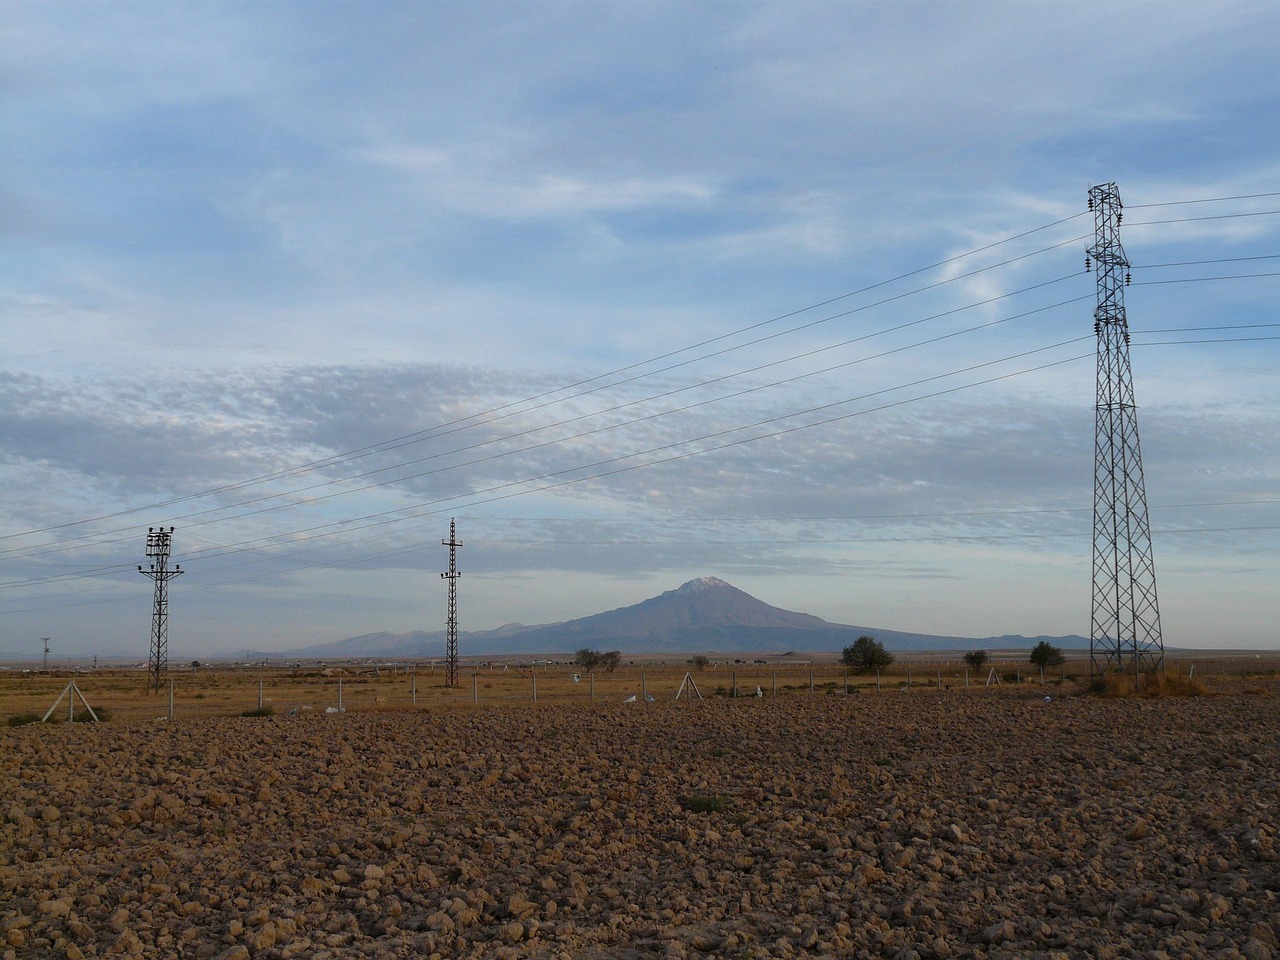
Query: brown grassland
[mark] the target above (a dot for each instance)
(935, 821)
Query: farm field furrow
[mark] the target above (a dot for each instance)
(949, 823)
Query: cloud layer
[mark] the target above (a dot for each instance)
(248, 241)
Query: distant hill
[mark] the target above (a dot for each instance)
(706, 614)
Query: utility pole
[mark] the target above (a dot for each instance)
(451, 627)
(159, 541)
(1125, 634)
(45, 667)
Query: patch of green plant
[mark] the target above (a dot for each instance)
(85, 717)
(259, 712)
(704, 803)
(22, 719)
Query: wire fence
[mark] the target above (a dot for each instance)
(262, 690)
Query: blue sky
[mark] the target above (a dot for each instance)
(242, 241)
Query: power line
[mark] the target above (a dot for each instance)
(1177, 203)
(67, 542)
(386, 445)
(392, 443)
(1220, 216)
(1197, 263)
(502, 491)
(1239, 276)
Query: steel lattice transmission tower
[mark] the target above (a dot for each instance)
(451, 627)
(1125, 635)
(159, 541)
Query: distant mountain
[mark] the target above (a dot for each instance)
(706, 614)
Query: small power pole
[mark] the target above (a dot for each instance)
(45, 668)
(1125, 634)
(159, 541)
(451, 626)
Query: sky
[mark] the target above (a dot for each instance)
(789, 294)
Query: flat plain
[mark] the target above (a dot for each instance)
(930, 822)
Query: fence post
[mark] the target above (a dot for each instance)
(535, 688)
(339, 693)
(846, 681)
(877, 681)
(170, 699)
(775, 683)
(733, 674)
(908, 678)
(413, 689)
(259, 691)
(644, 688)
(475, 689)
(811, 681)
(592, 677)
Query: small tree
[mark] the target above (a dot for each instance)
(1046, 655)
(700, 661)
(866, 654)
(588, 659)
(611, 660)
(976, 659)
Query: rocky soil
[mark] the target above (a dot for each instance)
(894, 825)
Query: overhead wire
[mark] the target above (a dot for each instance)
(502, 491)
(383, 446)
(68, 543)
(430, 431)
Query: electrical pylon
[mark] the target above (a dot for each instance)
(451, 627)
(159, 541)
(1125, 635)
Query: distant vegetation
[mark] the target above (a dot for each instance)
(976, 659)
(589, 659)
(1046, 655)
(865, 655)
(1123, 685)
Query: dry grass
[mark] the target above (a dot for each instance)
(1153, 685)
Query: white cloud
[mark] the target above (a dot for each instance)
(245, 237)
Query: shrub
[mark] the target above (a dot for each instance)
(1154, 685)
(976, 659)
(22, 719)
(259, 712)
(865, 655)
(704, 803)
(1046, 655)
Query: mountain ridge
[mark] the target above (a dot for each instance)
(701, 615)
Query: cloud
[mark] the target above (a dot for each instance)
(248, 238)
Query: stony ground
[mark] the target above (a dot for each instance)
(952, 824)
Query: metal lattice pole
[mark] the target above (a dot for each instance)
(159, 542)
(451, 629)
(1125, 633)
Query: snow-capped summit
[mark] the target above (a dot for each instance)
(698, 584)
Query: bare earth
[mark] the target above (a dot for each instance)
(930, 823)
